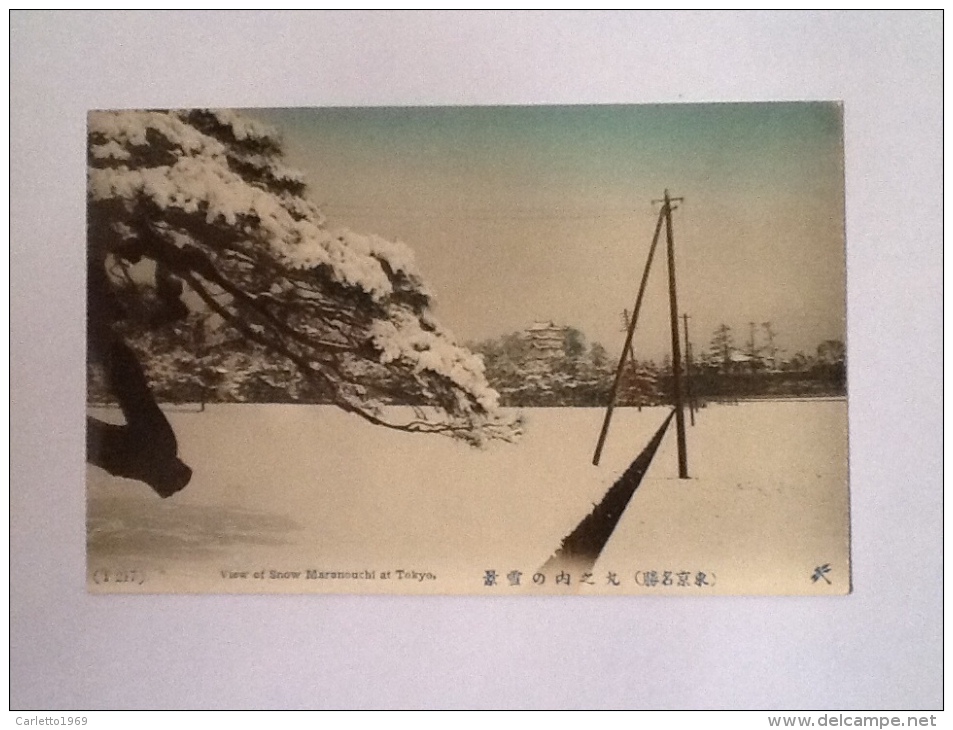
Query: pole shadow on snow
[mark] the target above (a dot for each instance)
(581, 548)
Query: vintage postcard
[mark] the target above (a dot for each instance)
(574, 350)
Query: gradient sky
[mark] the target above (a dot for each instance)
(519, 214)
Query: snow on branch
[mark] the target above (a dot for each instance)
(205, 196)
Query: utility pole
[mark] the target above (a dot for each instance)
(689, 392)
(772, 351)
(625, 319)
(676, 354)
(751, 340)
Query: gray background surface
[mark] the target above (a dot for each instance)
(879, 648)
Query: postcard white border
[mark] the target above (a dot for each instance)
(878, 648)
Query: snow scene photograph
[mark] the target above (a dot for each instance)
(559, 350)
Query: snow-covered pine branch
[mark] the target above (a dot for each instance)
(194, 218)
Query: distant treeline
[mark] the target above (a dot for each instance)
(576, 374)
(818, 381)
(542, 366)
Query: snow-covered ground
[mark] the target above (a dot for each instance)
(297, 488)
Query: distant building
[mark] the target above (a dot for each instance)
(741, 361)
(546, 342)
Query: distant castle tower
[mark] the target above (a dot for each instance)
(546, 344)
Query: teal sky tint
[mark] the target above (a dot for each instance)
(525, 213)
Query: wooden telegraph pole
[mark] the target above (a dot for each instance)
(689, 392)
(665, 215)
(676, 354)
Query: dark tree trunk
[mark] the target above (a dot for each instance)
(145, 447)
